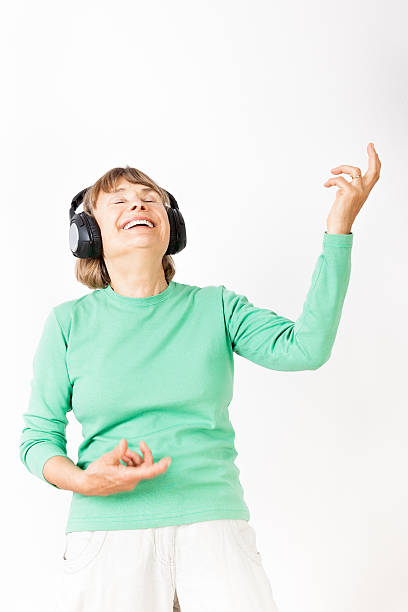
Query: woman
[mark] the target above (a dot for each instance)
(146, 362)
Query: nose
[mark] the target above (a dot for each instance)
(136, 204)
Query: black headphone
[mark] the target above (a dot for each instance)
(85, 238)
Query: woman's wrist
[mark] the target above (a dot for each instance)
(64, 474)
(339, 230)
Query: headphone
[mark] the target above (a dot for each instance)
(85, 239)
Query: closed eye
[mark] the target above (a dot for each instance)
(121, 201)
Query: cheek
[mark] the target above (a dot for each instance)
(165, 223)
(108, 225)
(109, 233)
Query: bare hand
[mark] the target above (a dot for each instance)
(106, 475)
(352, 194)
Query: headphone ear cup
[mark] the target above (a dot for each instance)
(85, 238)
(95, 231)
(178, 238)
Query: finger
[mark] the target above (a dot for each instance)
(150, 471)
(135, 457)
(147, 453)
(340, 181)
(115, 455)
(128, 460)
(120, 448)
(351, 170)
(145, 471)
(374, 163)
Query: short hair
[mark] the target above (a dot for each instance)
(92, 272)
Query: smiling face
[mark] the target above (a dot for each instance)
(114, 210)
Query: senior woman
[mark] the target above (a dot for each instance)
(146, 363)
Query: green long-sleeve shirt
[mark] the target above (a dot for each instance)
(161, 369)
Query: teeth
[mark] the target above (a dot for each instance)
(138, 222)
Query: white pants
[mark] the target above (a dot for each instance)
(209, 566)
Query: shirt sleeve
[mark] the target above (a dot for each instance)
(277, 343)
(45, 421)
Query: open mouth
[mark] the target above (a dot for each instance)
(136, 227)
(136, 224)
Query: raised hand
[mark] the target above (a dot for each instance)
(106, 475)
(351, 195)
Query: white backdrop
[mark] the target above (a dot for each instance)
(240, 109)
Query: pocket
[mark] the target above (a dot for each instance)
(82, 548)
(245, 536)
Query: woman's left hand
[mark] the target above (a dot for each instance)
(352, 194)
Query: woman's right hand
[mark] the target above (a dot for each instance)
(106, 475)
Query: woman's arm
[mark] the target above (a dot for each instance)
(45, 421)
(62, 472)
(278, 343)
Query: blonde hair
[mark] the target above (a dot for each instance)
(92, 272)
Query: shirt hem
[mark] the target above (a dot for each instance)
(114, 523)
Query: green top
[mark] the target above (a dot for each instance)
(161, 369)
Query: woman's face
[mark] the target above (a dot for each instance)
(113, 210)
